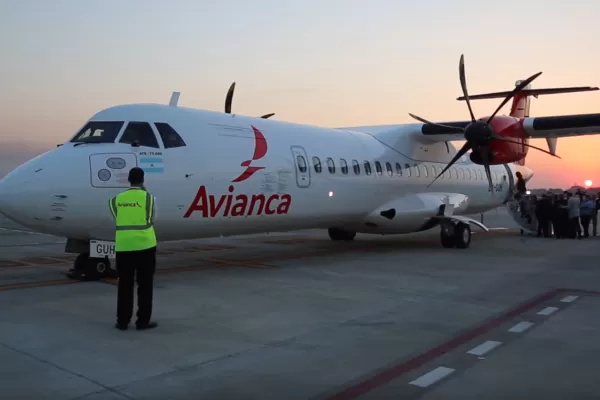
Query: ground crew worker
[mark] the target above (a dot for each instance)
(135, 248)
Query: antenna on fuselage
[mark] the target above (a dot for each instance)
(174, 99)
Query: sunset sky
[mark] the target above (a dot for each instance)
(329, 62)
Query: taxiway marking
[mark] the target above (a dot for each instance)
(424, 381)
(484, 347)
(432, 377)
(569, 299)
(521, 327)
(548, 311)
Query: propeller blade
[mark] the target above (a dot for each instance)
(448, 127)
(463, 150)
(463, 84)
(267, 115)
(512, 94)
(486, 166)
(524, 144)
(229, 98)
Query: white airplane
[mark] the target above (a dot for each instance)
(225, 174)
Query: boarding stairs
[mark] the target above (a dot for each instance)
(526, 220)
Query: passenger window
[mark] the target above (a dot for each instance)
(425, 171)
(407, 169)
(417, 172)
(139, 132)
(433, 171)
(356, 167)
(367, 168)
(343, 166)
(98, 132)
(398, 169)
(169, 137)
(378, 168)
(331, 166)
(317, 164)
(462, 174)
(389, 169)
(301, 164)
(468, 174)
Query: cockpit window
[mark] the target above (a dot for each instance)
(98, 132)
(140, 132)
(168, 135)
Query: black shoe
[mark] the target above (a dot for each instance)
(149, 325)
(121, 327)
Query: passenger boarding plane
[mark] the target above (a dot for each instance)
(225, 174)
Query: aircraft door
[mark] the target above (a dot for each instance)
(302, 168)
(509, 183)
(110, 170)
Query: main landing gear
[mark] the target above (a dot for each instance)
(91, 269)
(340, 234)
(455, 234)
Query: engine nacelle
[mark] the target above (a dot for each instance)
(410, 213)
(501, 152)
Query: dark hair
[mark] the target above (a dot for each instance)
(136, 176)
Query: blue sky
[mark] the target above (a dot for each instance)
(328, 62)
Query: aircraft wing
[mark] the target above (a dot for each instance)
(533, 127)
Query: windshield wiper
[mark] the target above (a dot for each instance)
(78, 143)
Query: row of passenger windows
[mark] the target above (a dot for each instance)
(140, 132)
(423, 170)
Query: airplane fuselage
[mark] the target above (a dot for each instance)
(307, 177)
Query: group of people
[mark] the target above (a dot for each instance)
(565, 216)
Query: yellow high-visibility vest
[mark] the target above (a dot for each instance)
(133, 211)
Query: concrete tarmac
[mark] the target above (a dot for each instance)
(297, 316)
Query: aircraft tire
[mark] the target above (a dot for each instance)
(447, 235)
(462, 235)
(340, 234)
(97, 268)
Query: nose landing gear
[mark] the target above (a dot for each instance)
(86, 268)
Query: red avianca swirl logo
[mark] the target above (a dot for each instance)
(260, 150)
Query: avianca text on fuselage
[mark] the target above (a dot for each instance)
(245, 205)
(211, 205)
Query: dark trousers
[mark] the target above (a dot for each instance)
(574, 228)
(135, 266)
(543, 227)
(585, 223)
(594, 223)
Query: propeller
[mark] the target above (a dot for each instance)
(229, 99)
(479, 134)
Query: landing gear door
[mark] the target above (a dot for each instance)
(302, 169)
(110, 170)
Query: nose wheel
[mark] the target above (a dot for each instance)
(86, 268)
(455, 235)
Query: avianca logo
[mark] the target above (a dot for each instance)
(233, 204)
(260, 150)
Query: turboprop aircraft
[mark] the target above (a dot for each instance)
(223, 174)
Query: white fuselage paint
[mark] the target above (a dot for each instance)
(54, 193)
